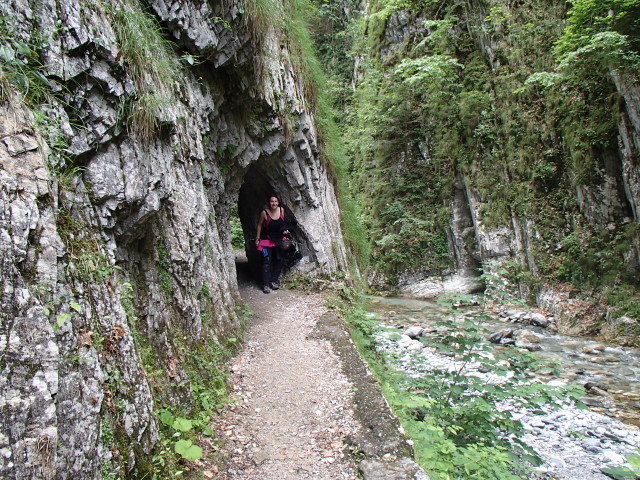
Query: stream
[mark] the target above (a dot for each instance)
(573, 443)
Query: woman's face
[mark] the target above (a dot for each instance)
(273, 202)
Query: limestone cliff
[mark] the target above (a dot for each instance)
(117, 185)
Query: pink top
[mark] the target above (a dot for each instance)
(265, 243)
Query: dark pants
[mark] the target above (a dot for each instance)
(271, 265)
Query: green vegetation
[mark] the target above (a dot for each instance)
(293, 19)
(24, 83)
(151, 59)
(507, 102)
(237, 234)
(262, 15)
(21, 70)
(164, 269)
(625, 473)
(202, 389)
(152, 63)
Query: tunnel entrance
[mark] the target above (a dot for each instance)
(252, 200)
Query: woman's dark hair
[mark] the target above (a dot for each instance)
(274, 195)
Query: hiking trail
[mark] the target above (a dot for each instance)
(305, 400)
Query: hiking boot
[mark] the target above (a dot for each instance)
(266, 289)
(275, 285)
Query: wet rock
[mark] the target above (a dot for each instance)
(526, 337)
(593, 349)
(532, 347)
(495, 337)
(599, 392)
(502, 336)
(570, 441)
(539, 320)
(596, 385)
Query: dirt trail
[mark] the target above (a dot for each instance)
(305, 399)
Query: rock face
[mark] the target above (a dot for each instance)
(505, 213)
(114, 217)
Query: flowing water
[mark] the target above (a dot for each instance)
(614, 370)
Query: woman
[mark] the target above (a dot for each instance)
(271, 226)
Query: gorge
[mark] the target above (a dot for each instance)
(470, 153)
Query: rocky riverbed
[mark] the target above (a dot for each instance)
(572, 442)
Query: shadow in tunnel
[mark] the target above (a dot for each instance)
(245, 272)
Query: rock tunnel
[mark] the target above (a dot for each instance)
(257, 186)
(308, 196)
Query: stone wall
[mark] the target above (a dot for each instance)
(117, 247)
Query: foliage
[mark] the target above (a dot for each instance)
(314, 80)
(588, 19)
(201, 384)
(263, 15)
(151, 60)
(187, 450)
(152, 64)
(22, 72)
(237, 234)
(164, 270)
(204, 391)
(178, 426)
(145, 114)
(430, 72)
(20, 69)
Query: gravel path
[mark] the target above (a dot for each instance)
(294, 409)
(306, 405)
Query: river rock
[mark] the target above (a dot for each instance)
(610, 456)
(526, 336)
(599, 392)
(413, 332)
(570, 441)
(592, 445)
(557, 383)
(539, 320)
(596, 385)
(409, 343)
(556, 462)
(593, 349)
(495, 337)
